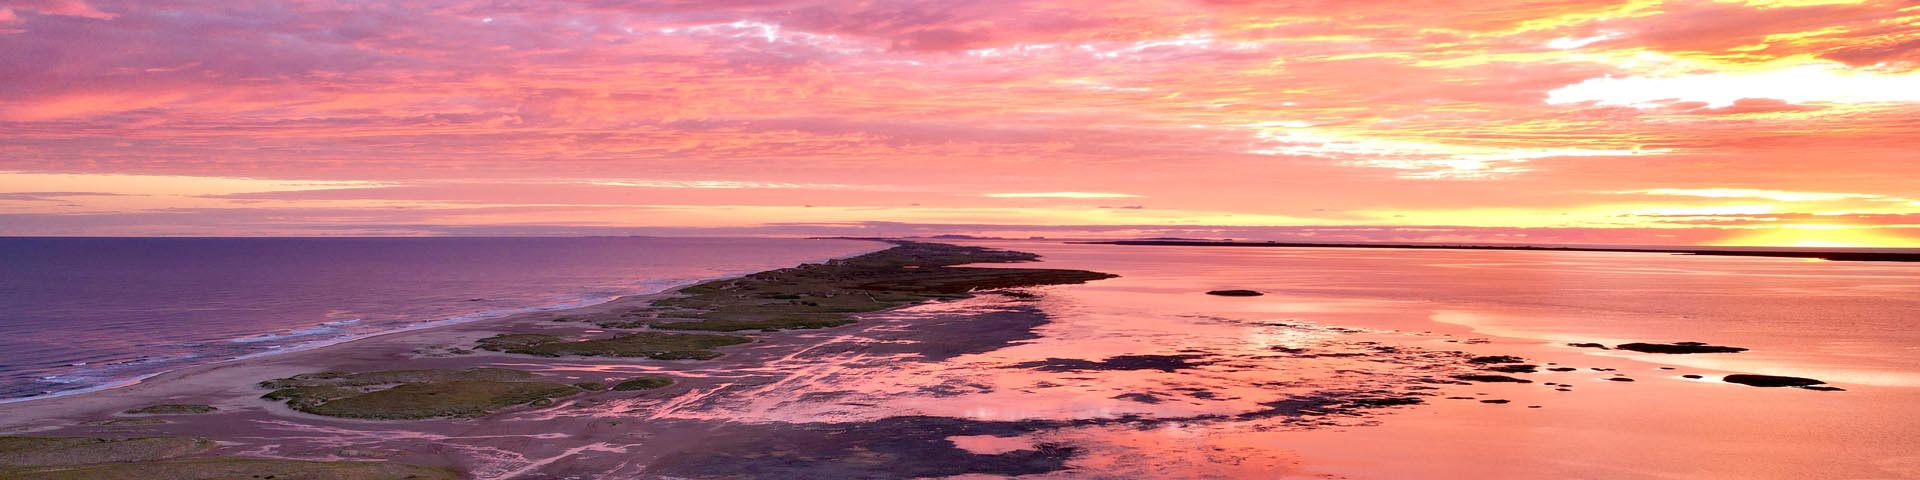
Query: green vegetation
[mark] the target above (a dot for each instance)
(172, 409)
(643, 383)
(591, 386)
(161, 458)
(389, 377)
(209, 468)
(767, 325)
(654, 345)
(827, 295)
(414, 394)
(46, 451)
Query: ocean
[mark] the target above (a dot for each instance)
(85, 313)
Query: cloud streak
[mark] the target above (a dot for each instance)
(1558, 114)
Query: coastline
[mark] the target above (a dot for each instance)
(983, 380)
(284, 439)
(1833, 256)
(508, 316)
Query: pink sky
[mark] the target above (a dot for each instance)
(1691, 122)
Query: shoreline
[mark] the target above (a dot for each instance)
(978, 377)
(506, 316)
(1833, 256)
(237, 424)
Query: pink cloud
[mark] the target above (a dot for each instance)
(506, 102)
(69, 8)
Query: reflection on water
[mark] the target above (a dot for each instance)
(1349, 367)
(1165, 381)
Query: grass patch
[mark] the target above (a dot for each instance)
(172, 409)
(159, 458)
(389, 377)
(467, 398)
(46, 451)
(238, 468)
(643, 383)
(414, 394)
(762, 325)
(655, 345)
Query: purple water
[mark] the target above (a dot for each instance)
(80, 313)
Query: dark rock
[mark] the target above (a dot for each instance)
(1771, 381)
(1520, 368)
(1147, 398)
(1497, 402)
(1695, 377)
(1235, 293)
(1621, 379)
(1164, 363)
(1678, 348)
(1588, 345)
(1384, 402)
(1563, 369)
(1823, 388)
(1491, 379)
(1491, 359)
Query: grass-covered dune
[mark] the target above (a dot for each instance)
(804, 297)
(655, 345)
(170, 458)
(828, 294)
(644, 383)
(172, 409)
(414, 394)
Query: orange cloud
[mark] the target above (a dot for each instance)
(1463, 117)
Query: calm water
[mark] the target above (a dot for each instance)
(86, 312)
(1336, 321)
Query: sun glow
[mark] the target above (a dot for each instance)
(1821, 236)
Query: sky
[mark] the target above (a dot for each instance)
(1757, 122)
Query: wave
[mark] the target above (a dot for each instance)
(321, 329)
(317, 336)
(97, 376)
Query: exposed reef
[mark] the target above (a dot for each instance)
(1491, 379)
(1678, 348)
(1165, 363)
(1771, 381)
(1236, 293)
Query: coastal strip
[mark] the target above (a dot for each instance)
(1837, 256)
(212, 419)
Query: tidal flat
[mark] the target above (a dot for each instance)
(912, 361)
(453, 378)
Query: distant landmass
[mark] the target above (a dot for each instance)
(1839, 256)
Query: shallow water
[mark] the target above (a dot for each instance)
(86, 312)
(1345, 369)
(1851, 324)
(1146, 376)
